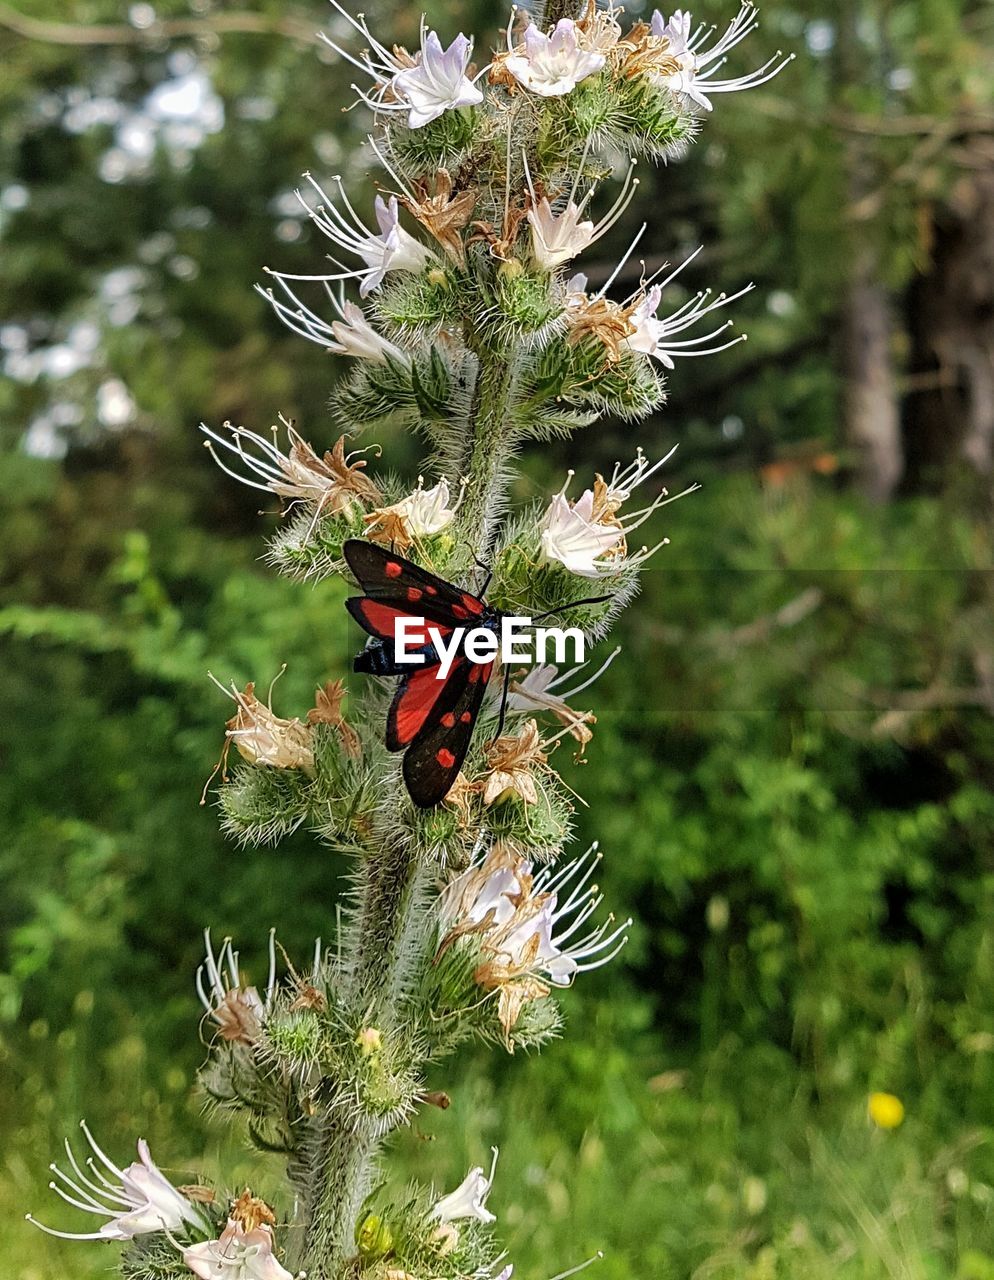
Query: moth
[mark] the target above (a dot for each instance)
(431, 718)
(432, 715)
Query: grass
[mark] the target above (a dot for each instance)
(727, 1168)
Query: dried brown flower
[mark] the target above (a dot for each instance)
(327, 709)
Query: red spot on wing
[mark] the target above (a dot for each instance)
(445, 757)
(392, 569)
(480, 671)
(459, 612)
(448, 720)
(466, 717)
(414, 594)
(432, 591)
(471, 604)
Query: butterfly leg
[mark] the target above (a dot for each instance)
(503, 701)
(573, 604)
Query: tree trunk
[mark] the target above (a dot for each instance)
(950, 414)
(871, 417)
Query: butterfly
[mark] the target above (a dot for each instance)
(431, 718)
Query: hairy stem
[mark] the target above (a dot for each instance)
(389, 931)
(487, 452)
(386, 942)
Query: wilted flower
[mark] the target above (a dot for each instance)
(441, 210)
(558, 237)
(350, 335)
(264, 738)
(523, 930)
(552, 65)
(469, 1200)
(587, 536)
(511, 760)
(599, 30)
(539, 689)
(426, 85)
(393, 249)
(241, 1252)
(421, 514)
(236, 1010)
(135, 1201)
(335, 482)
(327, 709)
(698, 66)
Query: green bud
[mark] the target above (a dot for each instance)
(373, 1237)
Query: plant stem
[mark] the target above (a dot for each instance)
(388, 931)
(486, 452)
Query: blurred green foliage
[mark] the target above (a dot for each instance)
(792, 769)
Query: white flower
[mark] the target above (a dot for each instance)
(431, 82)
(526, 922)
(698, 66)
(570, 536)
(642, 329)
(427, 511)
(237, 1254)
(350, 335)
(392, 249)
(236, 1010)
(552, 65)
(587, 536)
(655, 337)
(540, 689)
(421, 514)
(135, 1201)
(469, 1200)
(335, 483)
(439, 82)
(558, 237)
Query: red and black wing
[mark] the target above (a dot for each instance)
(379, 618)
(438, 749)
(431, 719)
(391, 579)
(420, 695)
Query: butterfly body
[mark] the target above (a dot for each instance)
(433, 714)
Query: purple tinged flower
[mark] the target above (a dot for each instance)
(438, 83)
(392, 249)
(469, 1200)
(426, 85)
(134, 1201)
(552, 65)
(238, 1254)
(698, 67)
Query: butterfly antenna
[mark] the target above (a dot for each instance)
(573, 604)
(486, 569)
